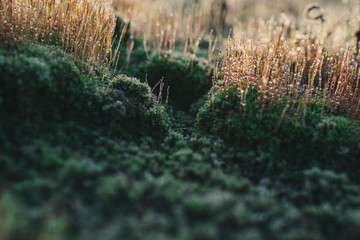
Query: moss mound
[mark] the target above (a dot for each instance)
(273, 147)
(44, 84)
(77, 184)
(40, 82)
(80, 158)
(128, 106)
(187, 83)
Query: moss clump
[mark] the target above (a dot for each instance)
(93, 185)
(272, 148)
(41, 83)
(325, 186)
(187, 83)
(128, 105)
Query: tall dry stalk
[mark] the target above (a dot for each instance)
(83, 27)
(289, 76)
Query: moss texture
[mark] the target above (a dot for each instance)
(44, 84)
(85, 155)
(273, 147)
(187, 83)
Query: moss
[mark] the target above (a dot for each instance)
(274, 146)
(187, 83)
(96, 168)
(128, 106)
(326, 186)
(103, 188)
(137, 59)
(42, 83)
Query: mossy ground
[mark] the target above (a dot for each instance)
(277, 145)
(186, 79)
(88, 155)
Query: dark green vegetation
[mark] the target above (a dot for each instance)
(187, 83)
(43, 84)
(277, 144)
(85, 155)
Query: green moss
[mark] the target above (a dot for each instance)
(324, 186)
(187, 83)
(128, 106)
(109, 188)
(102, 164)
(284, 146)
(42, 83)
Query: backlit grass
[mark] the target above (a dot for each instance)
(85, 28)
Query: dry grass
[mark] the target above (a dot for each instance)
(341, 18)
(163, 24)
(307, 56)
(83, 27)
(336, 22)
(287, 64)
(289, 72)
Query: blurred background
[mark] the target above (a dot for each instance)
(335, 21)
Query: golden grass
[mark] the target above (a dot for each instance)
(162, 24)
(83, 27)
(289, 73)
(287, 65)
(314, 62)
